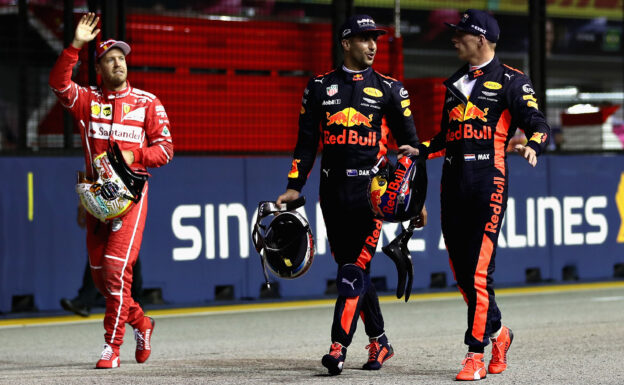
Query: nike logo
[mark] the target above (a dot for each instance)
(344, 280)
(326, 171)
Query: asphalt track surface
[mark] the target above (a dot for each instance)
(572, 334)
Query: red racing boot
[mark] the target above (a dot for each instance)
(500, 346)
(109, 358)
(474, 368)
(143, 336)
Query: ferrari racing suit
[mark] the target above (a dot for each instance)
(349, 107)
(475, 132)
(136, 121)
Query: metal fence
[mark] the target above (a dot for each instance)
(231, 72)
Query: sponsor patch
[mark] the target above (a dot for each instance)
(165, 131)
(369, 100)
(332, 90)
(403, 93)
(492, 85)
(330, 102)
(527, 89)
(294, 169)
(373, 92)
(407, 112)
(136, 115)
(488, 93)
(405, 103)
(532, 104)
(95, 109)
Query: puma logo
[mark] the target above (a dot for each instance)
(319, 80)
(509, 76)
(449, 159)
(388, 83)
(344, 280)
(326, 171)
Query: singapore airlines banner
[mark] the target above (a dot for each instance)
(564, 215)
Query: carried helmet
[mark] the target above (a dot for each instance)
(289, 246)
(286, 245)
(397, 194)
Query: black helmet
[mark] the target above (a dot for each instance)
(289, 246)
(286, 245)
(397, 194)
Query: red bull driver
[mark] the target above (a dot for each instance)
(484, 103)
(348, 104)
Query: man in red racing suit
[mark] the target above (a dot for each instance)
(484, 103)
(138, 123)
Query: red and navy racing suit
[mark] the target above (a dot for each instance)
(137, 122)
(349, 108)
(475, 132)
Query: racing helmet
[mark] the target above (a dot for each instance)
(397, 194)
(287, 245)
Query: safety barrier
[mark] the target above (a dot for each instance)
(564, 222)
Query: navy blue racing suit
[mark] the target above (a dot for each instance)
(475, 132)
(343, 111)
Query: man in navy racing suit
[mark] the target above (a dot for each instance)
(348, 104)
(484, 103)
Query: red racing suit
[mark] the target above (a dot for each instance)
(344, 111)
(475, 132)
(137, 121)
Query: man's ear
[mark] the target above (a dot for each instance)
(98, 69)
(346, 44)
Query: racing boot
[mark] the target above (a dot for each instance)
(143, 336)
(379, 351)
(474, 368)
(109, 358)
(500, 346)
(334, 361)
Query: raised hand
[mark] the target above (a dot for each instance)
(85, 30)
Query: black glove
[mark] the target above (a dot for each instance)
(398, 252)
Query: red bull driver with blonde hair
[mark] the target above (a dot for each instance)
(485, 101)
(348, 104)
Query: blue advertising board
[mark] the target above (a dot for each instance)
(567, 211)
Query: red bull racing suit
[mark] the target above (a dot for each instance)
(475, 132)
(137, 121)
(343, 111)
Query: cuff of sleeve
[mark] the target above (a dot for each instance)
(73, 50)
(295, 184)
(138, 155)
(536, 147)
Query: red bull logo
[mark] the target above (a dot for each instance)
(466, 131)
(463, 113)
(349, 117)
(294, 169)
(350, 137)
(539, 137)
(377, 190)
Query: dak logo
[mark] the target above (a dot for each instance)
(332, 90)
